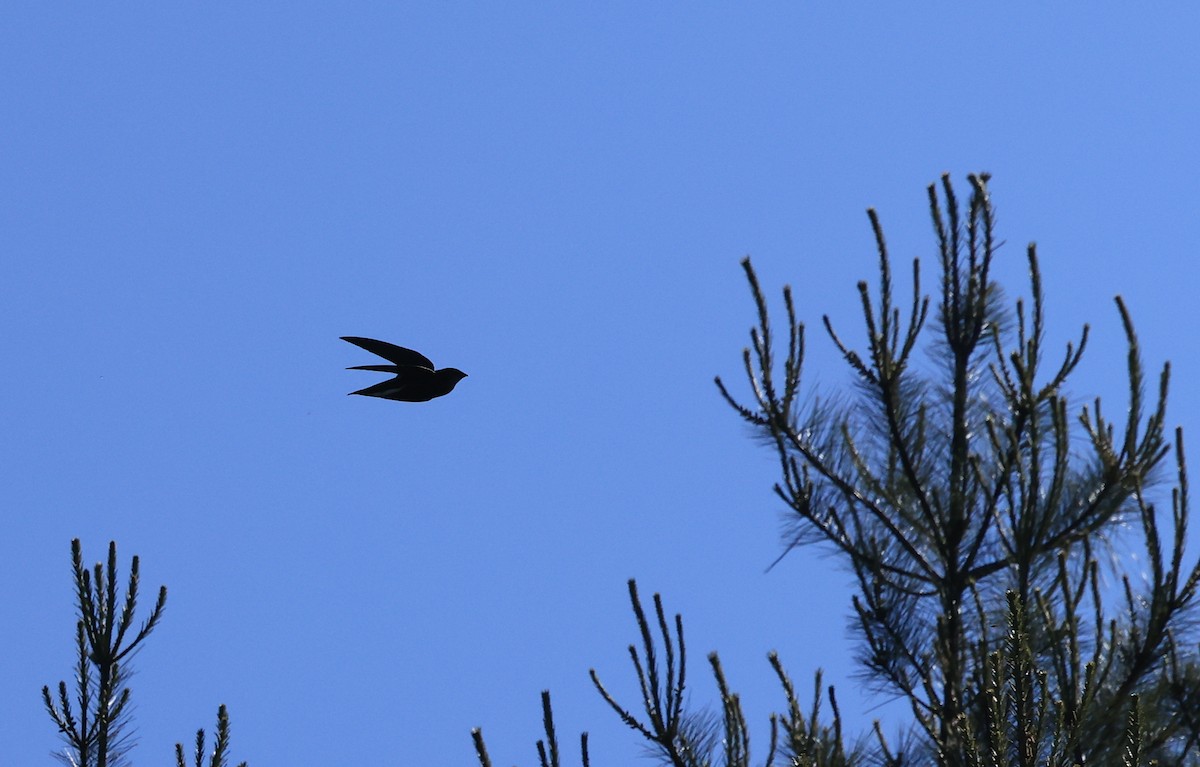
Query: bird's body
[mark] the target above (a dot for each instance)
(416, 378)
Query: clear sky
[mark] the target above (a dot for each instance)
(198, 199)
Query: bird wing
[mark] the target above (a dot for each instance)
(391, 352)
(412, 384)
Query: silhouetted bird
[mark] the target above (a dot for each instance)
(415, 381)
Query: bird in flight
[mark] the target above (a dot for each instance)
(416, 379)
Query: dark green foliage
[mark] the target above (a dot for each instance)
(219, 756)
(95, 730)
(547, 749)
(981, 521)
(946, 488)
(681, 738)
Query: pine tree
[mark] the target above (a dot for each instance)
(96, 730)
(956, 496)
(97, 726)
(980, 534)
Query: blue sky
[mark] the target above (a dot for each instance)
(197, 200)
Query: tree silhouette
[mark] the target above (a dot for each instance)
(981, 520)
(956, 494)
(95, 730)
(97, 727)
(220, 747)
